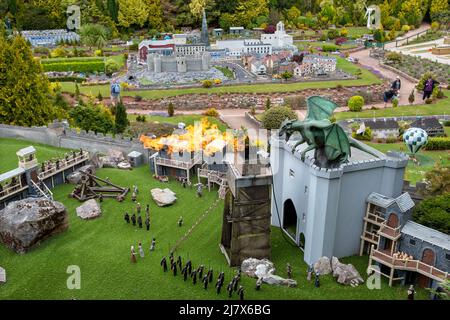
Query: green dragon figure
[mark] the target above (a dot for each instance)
(331, 143)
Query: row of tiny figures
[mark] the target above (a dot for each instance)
(207, 278)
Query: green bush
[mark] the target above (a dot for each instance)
(438, 143)
(211, 112)
(133, 47)
(424, 78)
(366, 135)
(332, 34)
(395, 103)
(429, 101)
(329, 47)
(391, 139)
(394, 57)
(86, 65)
(207, 83)
(446, 123)
(355, 103)
(67, 79)
(170, 110)
(111, 67)
(272, 118)
(434, 213)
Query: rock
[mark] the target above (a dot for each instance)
(125, 165)
(346, 273)
(96, 161)
(113, 158)
(25, 223)
(163, 197)
(264, 269)
(277, 280)
(75, 177)
(89, 210)
(256, 268)
(2, 275)
(323, 266)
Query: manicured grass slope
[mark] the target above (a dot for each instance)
(189, 119)
(101, 249)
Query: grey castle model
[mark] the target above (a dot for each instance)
(199, 62)
(323, 209)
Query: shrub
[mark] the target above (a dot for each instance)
(332, 34)
(395, 103)
(446, 123)
(111, 66)
(420, 86)
(211, 112)
(273, 118)
(355, 103)
(344, 32)
(391, 139)
(393, 57)
(339, 41)
(434, 213)
(366, 135)
(138, 98)
(378, 35)
(435, 25)
(438, 143)
(99, 96)
(98, 53)
(329, 47)
(67, 79)
(133, 47)
(41, 50)
(207, 83)
(429, 101)
(170, 110)
(406, 28)
(59, 52)
(253, 110)
(411, 97)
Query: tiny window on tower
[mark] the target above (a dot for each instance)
(412, 242)
(291, 173)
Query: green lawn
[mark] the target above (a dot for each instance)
(101, 249)
(226, 72)
(426, 158)
(366, 78)
(441, 107)
(188, 119)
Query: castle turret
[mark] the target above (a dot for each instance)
(181, 64)
(206, 61)
(158, 63)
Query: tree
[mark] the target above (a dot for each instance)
(156, 16)
(272, 118)
(438, 180)
(94, 35)
(113, 9)
(268, 104)
(132, 12)
(25, 96)
(92, 118)
(438, 6)
(170, 110)
(197, 6)
(111, 66)
(293, 14)
(286, 75)
(121, 120)
(249, 10)
(434, 213)
(270, 29)
(411, 11)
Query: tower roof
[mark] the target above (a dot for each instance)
(204, 37)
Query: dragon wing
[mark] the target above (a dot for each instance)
(337, 145)
(319, 108)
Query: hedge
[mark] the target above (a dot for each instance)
(86, 67)
(76, 59)
(67, 79)
(438, 143)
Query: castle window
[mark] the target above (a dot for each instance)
(291, 173)
(412, 242)
(447, 256)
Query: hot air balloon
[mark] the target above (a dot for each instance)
(415, 139)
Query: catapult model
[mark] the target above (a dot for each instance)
(91, 186)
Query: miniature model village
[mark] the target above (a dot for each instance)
(307, 171)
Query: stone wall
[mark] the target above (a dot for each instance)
(247, 100)
(54, 135)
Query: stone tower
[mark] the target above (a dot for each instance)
(204, 37)
(181, 64)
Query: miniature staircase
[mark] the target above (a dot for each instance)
(41, 190)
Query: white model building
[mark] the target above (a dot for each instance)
(238, 47)
(280, 39)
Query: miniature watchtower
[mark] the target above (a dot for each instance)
(29, 163)
(246, 215)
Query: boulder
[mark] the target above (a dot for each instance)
(346, 273)
(96, 161)
(112, 159)
(277, 280)
(322, 266)
(163, 197)
(264, 269)
(2, 275)
(124, 165)
(89, 210)
(75, 177)
(256, 268)
(25, 223)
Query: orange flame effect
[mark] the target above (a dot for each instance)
(203, 136)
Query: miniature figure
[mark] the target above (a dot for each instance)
(174, 269)
(230, 289)
(138, 208)
(309, 276)
(205, 281)
(139, 220)
(184, 273)
(194, 277)
(133, 197)
(127, 217)
(141, 251)
(147, 223)
(219, 284)
(411, 292)
(317, 280)
(164, 264)
(200, 271)
(289, 270)
(133, 219)
(258, 284)
(240, 292)
(210, 275)
(133, 255)
(152, 246)
(189, 266)
(179, 262)
(199, 189)
(180, 221)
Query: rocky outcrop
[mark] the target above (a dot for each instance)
(75, 177)
(112, 159)
(89, 210)
(323, 266)
(124, 165)
(264, 269)
(346, 273)
(2, 275)
(163, 197)
(25, 223)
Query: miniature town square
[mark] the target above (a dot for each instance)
(152, 150)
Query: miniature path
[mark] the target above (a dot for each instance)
(196, 223)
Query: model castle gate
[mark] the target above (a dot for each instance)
(246, 217)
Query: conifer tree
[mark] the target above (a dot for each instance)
(121, 120)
